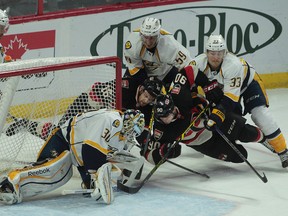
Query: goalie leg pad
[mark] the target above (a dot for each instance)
(9, 191)
(103, 185)
(42, 178)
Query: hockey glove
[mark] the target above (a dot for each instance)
(213, 92)
(216, 118)
(174, 152)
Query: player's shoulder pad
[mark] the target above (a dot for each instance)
(164, 32)
(200, 61)
(132, 40)
(133, 44)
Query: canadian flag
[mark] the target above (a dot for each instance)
(30, 45)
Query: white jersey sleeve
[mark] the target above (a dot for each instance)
(99, 129)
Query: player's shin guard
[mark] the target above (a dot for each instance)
(34, 180)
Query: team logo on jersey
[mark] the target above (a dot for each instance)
(214, 73)
(125, 84)
(158, 134)
(192, 63)
(128, 45)
(116, 123)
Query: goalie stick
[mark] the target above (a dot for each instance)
(83, 191)
(263, 178)
(133, 190)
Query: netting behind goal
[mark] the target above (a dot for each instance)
(37, 95)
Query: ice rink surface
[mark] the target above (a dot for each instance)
(232, 190)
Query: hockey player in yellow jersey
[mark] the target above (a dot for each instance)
(238, 79)
(152, 51)
(94, 142)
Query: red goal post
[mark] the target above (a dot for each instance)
(41, 91)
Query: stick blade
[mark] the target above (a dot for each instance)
(130, 190)
(264, 178)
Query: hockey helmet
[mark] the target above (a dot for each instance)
(153, 86)
(133, 123)
(216, 43)
(164, 106)
(150, 27)
(4, 21)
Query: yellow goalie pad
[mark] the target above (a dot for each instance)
(39, 179)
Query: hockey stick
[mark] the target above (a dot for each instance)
(83, 191)
(133, 190)
(173, 163)
(263, 178)
(77, 191)
(187, 169)
(149, 132)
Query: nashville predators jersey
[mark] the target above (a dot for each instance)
(168, 53)
(234, 75)
(99, 129)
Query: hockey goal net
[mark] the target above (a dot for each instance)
(37, 95)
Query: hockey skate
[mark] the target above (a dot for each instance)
(9, 193)
(17, 126)
(284, 158)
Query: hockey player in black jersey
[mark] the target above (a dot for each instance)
(174, 112)
(172, 120)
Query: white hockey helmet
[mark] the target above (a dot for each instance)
(216, 43)
(133, 123)
(150, 27)
(4, 20)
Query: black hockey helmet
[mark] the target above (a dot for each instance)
(164, 106)
(153, 86)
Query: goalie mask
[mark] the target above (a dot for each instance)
(133, 123)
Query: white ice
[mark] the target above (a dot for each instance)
(232, 190)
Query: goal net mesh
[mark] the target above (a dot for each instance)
(38, 95)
